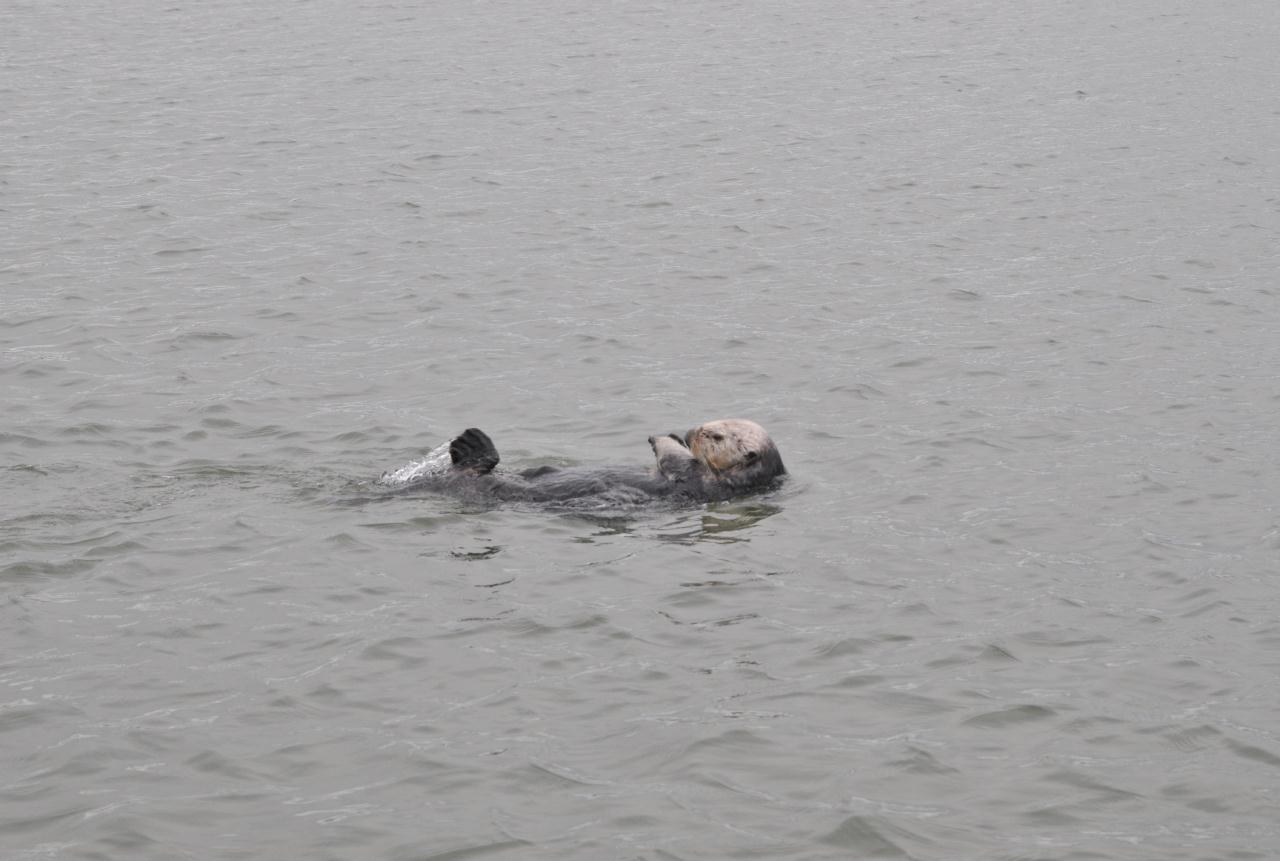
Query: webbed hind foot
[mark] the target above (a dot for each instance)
(472, 450)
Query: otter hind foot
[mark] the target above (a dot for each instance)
(473, 450)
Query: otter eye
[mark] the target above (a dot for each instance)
(718, 437)
(752, 455)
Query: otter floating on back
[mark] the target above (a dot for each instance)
(714, 461)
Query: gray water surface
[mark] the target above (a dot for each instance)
(1000, 278)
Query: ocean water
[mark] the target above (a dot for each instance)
(1002, 281)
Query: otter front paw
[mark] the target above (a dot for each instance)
(653, 440)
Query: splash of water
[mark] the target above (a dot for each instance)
(436, 462)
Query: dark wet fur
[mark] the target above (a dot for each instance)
(473, 451)
(474, 478)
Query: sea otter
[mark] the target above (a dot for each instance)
(714, 461)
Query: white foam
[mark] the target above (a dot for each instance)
(436, 462)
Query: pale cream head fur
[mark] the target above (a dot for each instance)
(727, 444)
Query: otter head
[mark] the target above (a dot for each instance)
(736, 448)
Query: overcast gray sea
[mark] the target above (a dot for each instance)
(1001, 279)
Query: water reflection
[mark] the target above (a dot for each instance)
(607, 525)
(718, 522)
(721, 522)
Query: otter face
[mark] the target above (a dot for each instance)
(735, 445)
